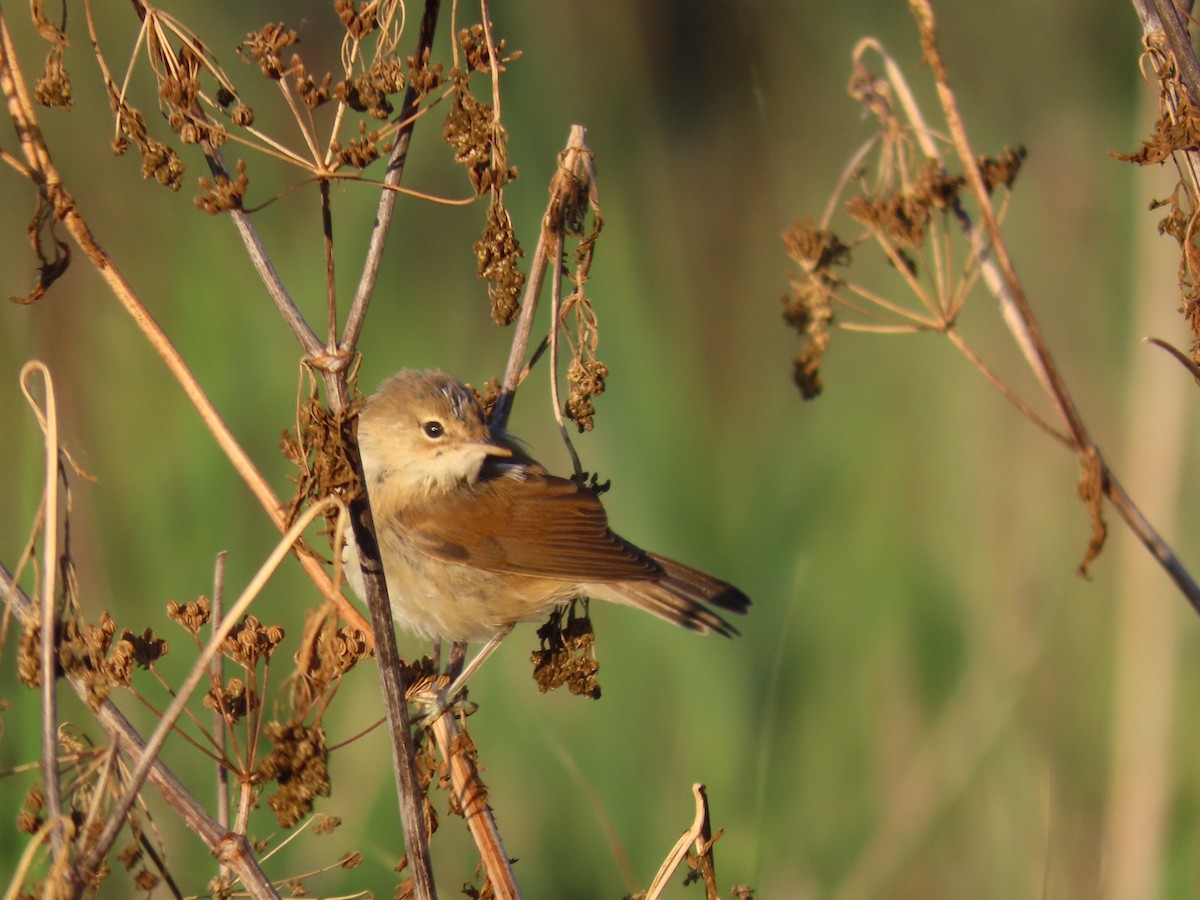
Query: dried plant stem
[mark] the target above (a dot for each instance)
(556, 306)
(393, 683)
(1009, 394)
(1020, 319)
(693, 836)
(472, 797)
(574, 155)
(1165, 16)
(199, 671)
(703, 847)
(231, 849)
(218, 674)
(387, 197)
(48, 420)
(330, 273)
(37, 156)
(257, 253)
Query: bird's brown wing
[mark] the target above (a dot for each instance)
(536, 524)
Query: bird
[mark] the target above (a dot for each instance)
(476, 536)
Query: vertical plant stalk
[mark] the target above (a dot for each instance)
(330, 272)
(473, 798)
(393, 680)
(48, 420)
(394, 686)
(218, 674)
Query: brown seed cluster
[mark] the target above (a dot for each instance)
(567, 655)
(585, 380)
(225, 194)
(809, 308)
(298, 763)
(497, 253)
(319, 449)
(87, 654)
(250, 642)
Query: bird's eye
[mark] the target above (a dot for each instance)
(433, 429)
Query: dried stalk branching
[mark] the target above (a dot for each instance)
(54, 195)
(916, 207)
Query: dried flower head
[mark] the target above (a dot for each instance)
(298, 763)
(250, 641)
(266, 46)
(497, 252)
(192, 616)
(567, 655)
(226, 194)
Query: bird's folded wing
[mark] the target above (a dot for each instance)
(537, 524)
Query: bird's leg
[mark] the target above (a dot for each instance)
(446, 699)
(458, 655)
(436, 655)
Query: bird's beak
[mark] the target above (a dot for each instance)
(497, 450)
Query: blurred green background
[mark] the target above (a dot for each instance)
(926, 700)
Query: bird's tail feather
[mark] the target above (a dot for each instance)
(682, 597)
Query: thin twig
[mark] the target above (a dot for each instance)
(330, 273)
(1009, 394)
(49, 618)
(218, 672)
(229, 848)
(556, 255)
(387, 198)
(198, 672)
(393, 683)
(515, 368)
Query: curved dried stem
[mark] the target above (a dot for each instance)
(556, 314)
(696, 836)
(573, 155)
(48, 420)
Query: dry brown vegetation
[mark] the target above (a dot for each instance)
(919, 196)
